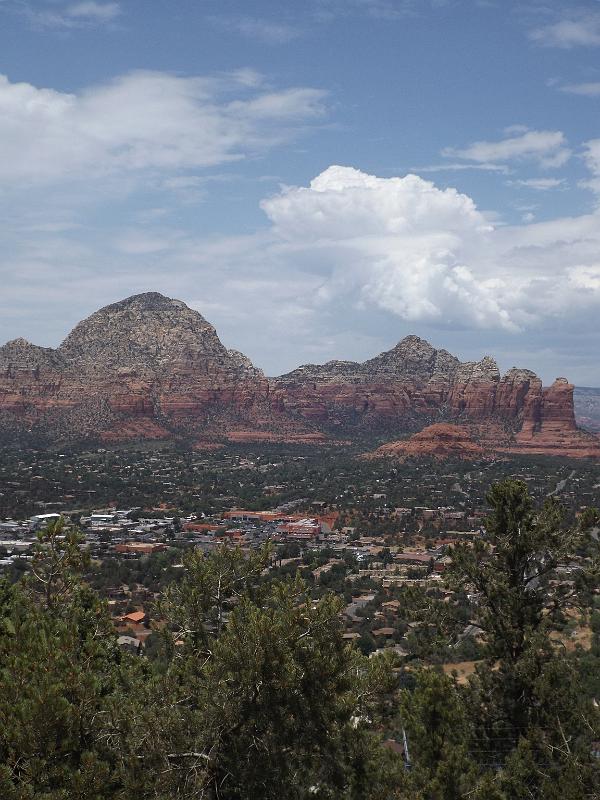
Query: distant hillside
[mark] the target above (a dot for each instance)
(587, 407)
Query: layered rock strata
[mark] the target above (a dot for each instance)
(150, 367)
(147, 358)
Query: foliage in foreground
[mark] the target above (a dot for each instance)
(253, 693)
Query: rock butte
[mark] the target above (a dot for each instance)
(440, 441)
(150, 367)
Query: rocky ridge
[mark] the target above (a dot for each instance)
(151, 367)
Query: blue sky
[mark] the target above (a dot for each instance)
(251, 158)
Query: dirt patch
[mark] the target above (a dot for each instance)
(463, 670)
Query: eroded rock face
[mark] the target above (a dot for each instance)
(145, 358)
(516, 390)
(409, 386)
(31, 380)
(549, 426)
(149, 366)
(405, 385)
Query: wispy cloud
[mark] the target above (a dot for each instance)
(539, 184)
(87, 13)
(460, 167)
(574, 30)
(90, 10)
(590, 89)
(261, 30)
(144, 121)
(386, 10)
(547, 148)
(591, 157)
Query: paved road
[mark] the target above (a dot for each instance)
(561, 484)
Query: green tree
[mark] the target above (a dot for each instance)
(269, 699)
(61, 682)
(58, 561)
(434, 716)
(527, 712)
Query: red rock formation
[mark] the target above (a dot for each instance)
(147, 358)
(549, 426)
(137, 428)
(438, 441)
(516, 391)
(150, 366)
(474, 389)
(404, 386)
(548, 429)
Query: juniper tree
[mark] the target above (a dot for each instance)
(263, 695)
(525, 702)
(62, 680)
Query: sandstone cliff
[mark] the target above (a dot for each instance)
(149, 366)
(414, 384)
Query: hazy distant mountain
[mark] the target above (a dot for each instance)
(587, 407)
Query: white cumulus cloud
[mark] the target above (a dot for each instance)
(400, 243)
(428, 255)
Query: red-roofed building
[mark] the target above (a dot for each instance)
(201, 527)
(136, 617)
